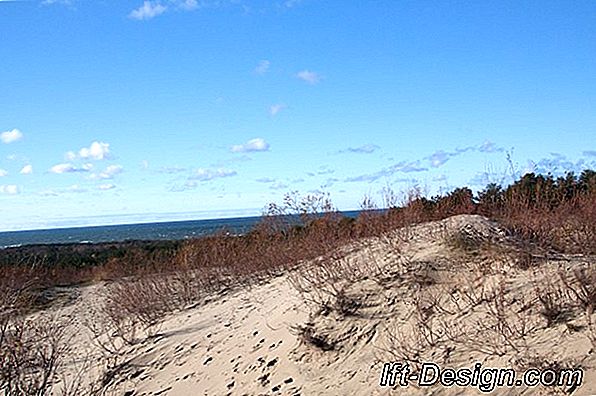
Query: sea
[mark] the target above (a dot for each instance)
(172, 230)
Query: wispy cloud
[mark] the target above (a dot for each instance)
(48, 193)
(439, 158)
(278, 186)
(108, 173)
(291, 3)
(188, 185)
(276, 108)
(11, 136)
(325, 170)
(309, 76)
(149, 9)
(9, 189)
(253, 145)
(589, 153)
(189, 5)
(69, 168)
(490, 147)
(75, 188)
(105, 187)
(265, 180)
(170, 170)
(62, 2)
(3, 172)
(262, 67)
(329, 182)
(153, 8)
(403, 167)
(364, 149)
(558, 164)
(203, 174)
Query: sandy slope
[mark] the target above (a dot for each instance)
(251, 342)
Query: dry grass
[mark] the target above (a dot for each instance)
(306, 238)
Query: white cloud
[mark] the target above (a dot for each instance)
(309, 76)
(68, 168)
(256, 144)
(276, 108)
(203, 174)
(70, 156)
(262, 67)
(11, 136)
(438, 158)
(108, 173)
(148, 10)
(27, 170)
(189, 5)
(63, 2)
(97, 151)
(105, 187)
(9, 189)
(3, 173)
(490, 147)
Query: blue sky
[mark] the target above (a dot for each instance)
(122, 111)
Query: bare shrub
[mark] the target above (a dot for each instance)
(503, 327)
(581, 283)
(32, 350)
(553, 299)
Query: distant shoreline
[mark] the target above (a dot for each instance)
(178, 230)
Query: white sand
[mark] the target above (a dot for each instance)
(248, 342)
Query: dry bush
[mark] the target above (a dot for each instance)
(298, 230)
(503, 326)
(426, 328)
(32, 348)
(567, 226)
(552, 297)
(581, 283)
(32, 351)
(133, 307)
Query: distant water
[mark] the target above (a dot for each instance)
(173, 230)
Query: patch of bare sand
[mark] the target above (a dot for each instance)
(428, 293)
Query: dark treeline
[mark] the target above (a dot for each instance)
(530, 191)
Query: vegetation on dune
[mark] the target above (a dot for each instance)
(148, 280)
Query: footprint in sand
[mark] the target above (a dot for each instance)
(162, 391)
(272, 362)
(273, 346)
(259, 344)
(264, 379)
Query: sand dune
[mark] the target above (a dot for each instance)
(330, 335)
